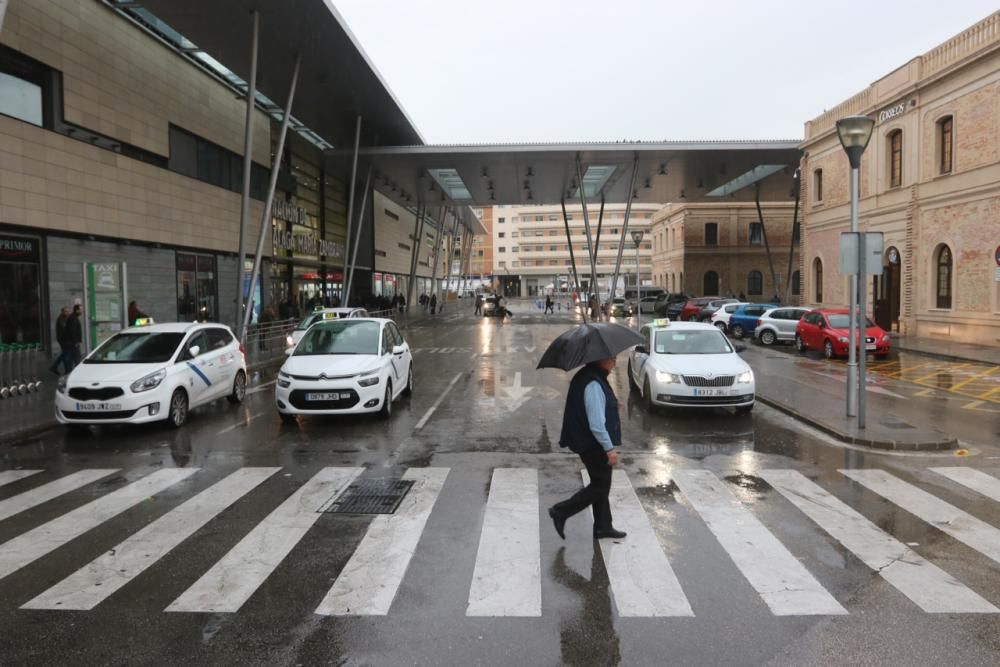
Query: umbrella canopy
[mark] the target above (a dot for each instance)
(588, 342)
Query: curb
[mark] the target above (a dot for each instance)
(874, 443)
(942, 356)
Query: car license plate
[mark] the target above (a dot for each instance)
(327, 396)
(712, 392)
(870, 346)
(98, 407)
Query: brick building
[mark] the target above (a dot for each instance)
(718, 249)
(930, 181)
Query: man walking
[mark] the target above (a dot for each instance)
(434, 303)
(74, 333)
(549, 306)
(592, 429)
(479, 305)
(65, 344)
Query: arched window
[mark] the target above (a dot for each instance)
(818, 279)
(710, 286)
(796, 284)
(945, 131)
(895, 158)
(755, 283)
(943, 277)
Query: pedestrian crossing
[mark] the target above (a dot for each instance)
(506, 579)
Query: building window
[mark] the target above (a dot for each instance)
(943, 277)
(25, 88)
(711, 284)
(756, 233)
(796, 283)
(502, 220)
(515, 248)
(755, 283)
(945, 143)
(895, 158)
(479, 253)
(501, 249)
(818, 279)
(796, 233)
(501, 234)
(197, 293)
(818, 185)
(513, 235)
(711, 233)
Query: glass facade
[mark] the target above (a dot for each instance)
(197, 287)
(20, 289)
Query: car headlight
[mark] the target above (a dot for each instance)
(667, 378)
(369, 379)
(151, 381)
(842, 339)
(746, 377)
(61, 384)
(284, 380)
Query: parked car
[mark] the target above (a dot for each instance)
(646, 305)
(152, 373)
(720, 318)
(665, 301)
(321, 315)
(692, 307)
(778, 325)
(705, 315)
(829, 330)
(619, 307)
(743, 321)
(690, 364)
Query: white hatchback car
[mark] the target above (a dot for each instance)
(690, 364)
(720, 318)
(345, 366)
(151, 373)
(322, 315)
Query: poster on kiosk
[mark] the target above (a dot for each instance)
(104, 299)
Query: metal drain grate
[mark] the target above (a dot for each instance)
(369, 496)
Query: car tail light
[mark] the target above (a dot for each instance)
(758, 322)
(243, 349)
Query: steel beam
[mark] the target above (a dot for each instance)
(350, 202)
(366, 194)
(591, 251)
(572, 256)
(247, 173)
(418, 231)
(621, 241)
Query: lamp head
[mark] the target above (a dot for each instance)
(637, 237)
(855, 132)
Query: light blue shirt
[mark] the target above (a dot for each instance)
(596, 403)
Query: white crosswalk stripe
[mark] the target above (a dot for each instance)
(232, 580)
(976, 480)
(11, 476)
(642, 581)
(46, 492)
(94, 583)
(36, 543)
(785, 585)
(368, 583)
(929, 587)
(507, 580)
(947, 518)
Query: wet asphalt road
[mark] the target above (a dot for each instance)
(484, 422)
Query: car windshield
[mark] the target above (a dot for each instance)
(692, 342)
(843, 321)
(137, 348)
(340, 337)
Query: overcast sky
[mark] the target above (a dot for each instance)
(564, 70)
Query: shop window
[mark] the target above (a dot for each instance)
(756, 233)
(197, 289)
(20, 290)
(945, 132)
(818, 185)
(755, 283)
(943, 277)
(895, 158)
(711, 233)
(818, 279)
(796, 283)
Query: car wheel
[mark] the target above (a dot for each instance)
(287, 418)
(239, 389)
(744, 409)
(828, 349)
(738, 331)
(386, 410)
(409, 382)
(647, 395)
(721, 326)
(178, 413)
(767, 337)
(800, 346)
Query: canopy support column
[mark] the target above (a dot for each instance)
(628, 214)
(572, 256)
(438, 241)
(350, 202)
(247, 171)
(767, 246)
(265, 221)
(591, 251)
(418, 232)
(366, 193)
(791, 243)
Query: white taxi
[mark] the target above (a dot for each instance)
(690, 364)
(153, 372)
(345, 366)
(321, 315)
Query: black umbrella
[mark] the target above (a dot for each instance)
(588, 342)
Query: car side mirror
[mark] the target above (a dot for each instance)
(398, 349)
(289, 351)
(193, 351)
(739, 347)
(641, 349)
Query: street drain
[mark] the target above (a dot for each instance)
(369, 496)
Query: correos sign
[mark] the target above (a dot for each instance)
(891, 112)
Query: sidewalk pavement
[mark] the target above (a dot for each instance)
(946, 349)
(795, 386)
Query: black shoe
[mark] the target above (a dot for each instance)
(558, 521)
(610, 533)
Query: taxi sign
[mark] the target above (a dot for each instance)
(144, 321)
(661, 323)
(331, 316)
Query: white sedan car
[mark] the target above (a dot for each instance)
(690, 364)
(345, 366)
(149, 373)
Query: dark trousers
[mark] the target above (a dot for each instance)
(594, 494)
(65, 358)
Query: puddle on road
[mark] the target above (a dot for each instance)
(749, 483)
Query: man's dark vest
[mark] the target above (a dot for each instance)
(576, 432)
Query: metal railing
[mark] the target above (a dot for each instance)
(20, 368)
(267, 341)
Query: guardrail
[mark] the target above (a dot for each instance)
(267, 341)
(20, 368)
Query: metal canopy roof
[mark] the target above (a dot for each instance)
(337, 80)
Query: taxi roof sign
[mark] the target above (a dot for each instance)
(663, 322)
(331, 316)
(144, 321)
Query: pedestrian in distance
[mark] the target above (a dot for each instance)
(549, 306)
(402, 303)
(434, 303)
(479, 305)
(65, 343)
(742, 297)
(592, 429)
(134, 313)
(74, 327)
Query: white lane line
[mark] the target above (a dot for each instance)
(976, 480)
(929, 587)
(232, 580)
(94, 583)
(261, 387)
(427, 415)
(11, 476)
(46, 492)
(368, 583)
(784, 584)
(34, 544)
(642, 581)
(240, 424)
(964, 527)
(507, 580)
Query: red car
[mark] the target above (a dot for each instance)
(694, 306)
(828, 330)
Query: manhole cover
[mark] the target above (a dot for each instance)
(369, 496)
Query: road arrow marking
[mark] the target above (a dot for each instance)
(516, 391)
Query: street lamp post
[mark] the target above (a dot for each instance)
(855, 132)
(637, 239)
